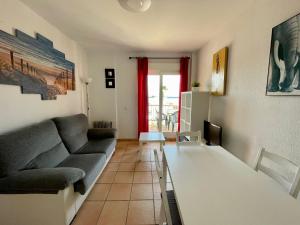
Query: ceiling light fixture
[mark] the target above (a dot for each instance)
(135, 5)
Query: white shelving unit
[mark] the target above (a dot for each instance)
(194, 110)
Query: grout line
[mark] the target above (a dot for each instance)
(101, 212)
(129, 197)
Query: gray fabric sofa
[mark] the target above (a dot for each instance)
(52, 155)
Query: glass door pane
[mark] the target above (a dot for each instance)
(163, 99)
(170, 103)
(153, 101)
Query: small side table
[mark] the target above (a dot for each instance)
(146, 137)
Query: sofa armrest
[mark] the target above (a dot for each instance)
(100, 133)
(47, 180)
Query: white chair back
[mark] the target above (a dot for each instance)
(287, 174)
(188, 138)
(162, 182)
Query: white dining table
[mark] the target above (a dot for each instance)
(213, 187)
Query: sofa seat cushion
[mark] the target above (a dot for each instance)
(73, 131)
(91, 164)
(105, 146)
(46, 180)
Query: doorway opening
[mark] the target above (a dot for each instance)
(163, 98)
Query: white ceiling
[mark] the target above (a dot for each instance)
(169, 25)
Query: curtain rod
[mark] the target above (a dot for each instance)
(131, 57)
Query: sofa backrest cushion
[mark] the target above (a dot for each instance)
(73, 131)
(36, 146)
(49, 159)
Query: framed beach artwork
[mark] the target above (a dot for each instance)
(219, 72)
(35, 65)
(284, 61)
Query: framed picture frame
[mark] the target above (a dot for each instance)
(110, 83)
(109, 73)
(219, 72)
(284, 59)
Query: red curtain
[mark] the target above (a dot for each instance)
(143, 95)
(184, 77)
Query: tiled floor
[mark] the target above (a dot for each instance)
(128, 192)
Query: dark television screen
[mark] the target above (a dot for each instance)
(212, 133)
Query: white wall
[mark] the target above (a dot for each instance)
(103, 101)
(251, 119)
(120, 104)
(18, 109)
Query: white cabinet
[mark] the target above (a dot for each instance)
(194, 110)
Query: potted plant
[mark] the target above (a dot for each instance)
(195, 86)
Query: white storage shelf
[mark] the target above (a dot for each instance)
(194, 110)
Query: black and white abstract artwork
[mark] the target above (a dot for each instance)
(284, 62)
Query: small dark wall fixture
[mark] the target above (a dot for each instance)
(110, 83)
(35, 65)
(109, 73)
(110, 78)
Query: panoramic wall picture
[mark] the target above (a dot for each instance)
(219, 72)
(34, 65)
(284, 62)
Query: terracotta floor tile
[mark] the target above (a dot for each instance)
(157, 195)
(119, 192)
(153, 166)
(147, 148)
(130, 163)
(121, 144)
(155, 178)
(143, 166)
(156, 188)
(129, 158)
(142, 177)
(112, 166)
(132, 151)
(141, 212)
(141, 192)
(107, 177)
(145, 156)
(159, 154)
(116, 158)
(114, 213)
(156, 191)
(152, 156)
(99, 192)
(89, 213)
(133, 145)
(157, 205)
(129, 167)
(120, 152)
(123, 177)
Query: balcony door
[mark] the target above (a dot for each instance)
(163, 94)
